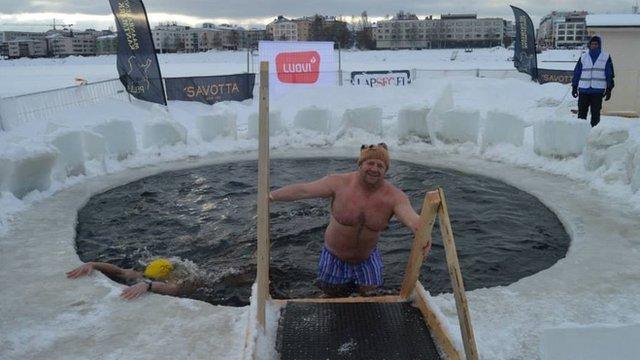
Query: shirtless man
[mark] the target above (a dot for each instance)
(362, 203)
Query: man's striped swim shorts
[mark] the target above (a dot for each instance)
(333, 271)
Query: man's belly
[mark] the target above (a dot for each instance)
(352, 244)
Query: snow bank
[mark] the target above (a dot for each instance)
(503, 128)
(456, 126)
(275, 124)
(367, 118)
(119, 137)
(27, 170)
(313, 118)
(591, 343)
(601, 142)
(560, 137)
(412, 121)
(445, 100)
(76, 147)
(163, 133)
(633, 167)
(220, 124)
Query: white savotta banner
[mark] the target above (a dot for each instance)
(298, 64)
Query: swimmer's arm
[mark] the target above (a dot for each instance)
(170, 288)
(134, 291)
(105, 268)
(322, 188)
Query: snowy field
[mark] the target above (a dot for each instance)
(507, 128)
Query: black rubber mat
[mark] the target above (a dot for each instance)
(353, 331)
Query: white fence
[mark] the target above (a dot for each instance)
(43, 105)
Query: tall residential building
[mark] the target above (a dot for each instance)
(107, 44)
(67, 45)
(451, 30)
(15, 44)
(226, 36)
(26, 48)
(283, 29)
(249, 38)
(562, 29)
(509, 32)
(169, 37)
(304, 28)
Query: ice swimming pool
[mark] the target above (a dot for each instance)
(206, 216)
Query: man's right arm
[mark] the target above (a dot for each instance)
(322, 188)
(577, 72)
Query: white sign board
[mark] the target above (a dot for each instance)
(298, 64)
(381, 79)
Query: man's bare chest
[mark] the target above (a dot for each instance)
(352, 210)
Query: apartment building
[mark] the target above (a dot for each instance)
(72, 45)
(283, 29)
(107, 44)
(249, 38)
(15, 44)
(26, 48)
(304, 28)
(169, 37)
(450, 31)
(562, 29)
(509, 32)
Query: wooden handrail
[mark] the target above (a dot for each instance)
(468, 338)
(263, 195)
(421, 239)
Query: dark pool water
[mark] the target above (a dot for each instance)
(207, 216)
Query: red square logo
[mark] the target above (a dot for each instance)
(301, 67)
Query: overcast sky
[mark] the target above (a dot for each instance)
(97, 14)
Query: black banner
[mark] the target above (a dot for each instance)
(559, 76)
(137, 62)
(524, 57)
(381, 78)
(211, 89)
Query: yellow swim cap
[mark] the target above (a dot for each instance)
(158, 269)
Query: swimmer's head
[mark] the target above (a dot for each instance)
(158, 269)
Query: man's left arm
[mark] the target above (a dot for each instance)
(609, 75)
(405, 213)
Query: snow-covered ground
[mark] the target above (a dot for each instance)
(30, 75)
(510, 129)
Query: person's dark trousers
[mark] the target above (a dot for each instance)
(590, 100)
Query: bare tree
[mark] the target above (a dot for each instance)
(364, 36)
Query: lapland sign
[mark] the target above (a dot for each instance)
(298, 64)
(381, 79)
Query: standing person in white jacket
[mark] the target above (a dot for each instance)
(593, 80)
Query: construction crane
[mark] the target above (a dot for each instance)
(53, 25)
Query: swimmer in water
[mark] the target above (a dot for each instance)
(158, 277)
